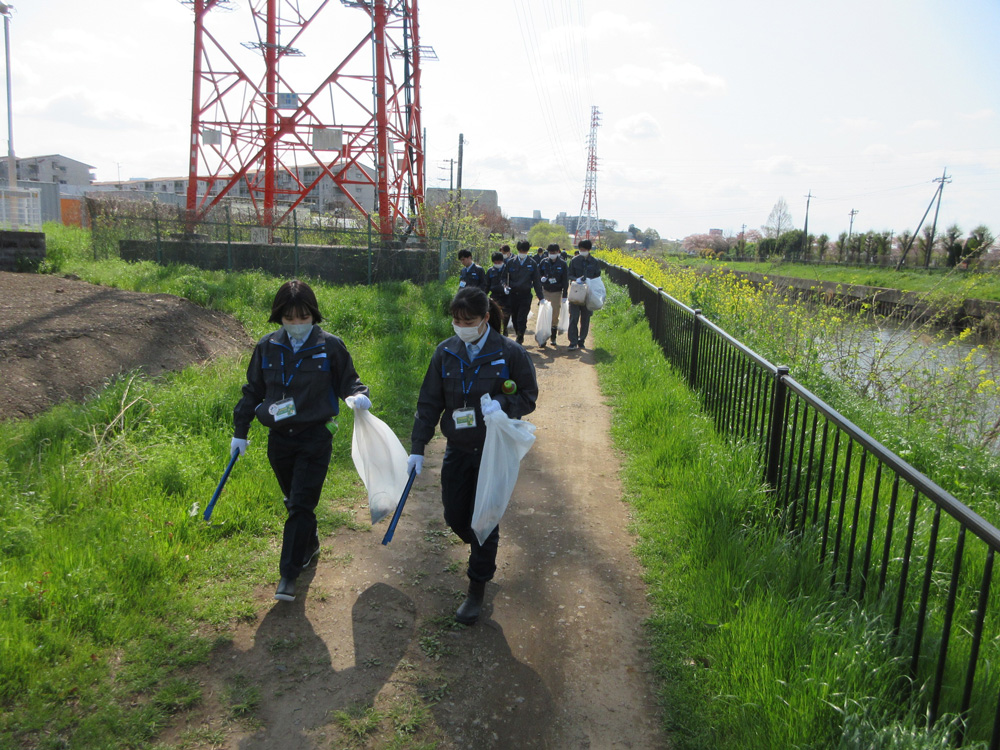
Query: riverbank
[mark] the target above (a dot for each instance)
(981, 315)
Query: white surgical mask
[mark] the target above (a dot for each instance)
(585, 253)
(522, 256)
(297, 331)
(468, 334)
(498, 266)
(553, 255)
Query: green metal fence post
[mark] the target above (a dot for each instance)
(159, 246)
(229, 239)
(695, 343)
(777, 427)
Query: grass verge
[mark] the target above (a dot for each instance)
(751, 647)
(110, 583)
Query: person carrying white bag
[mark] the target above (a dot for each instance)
(380, 460)
(583, 268)
(477, 361)
(507, 442)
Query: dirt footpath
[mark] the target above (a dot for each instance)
(370, 656)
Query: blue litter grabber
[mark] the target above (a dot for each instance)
(399, 508)
(222, 483)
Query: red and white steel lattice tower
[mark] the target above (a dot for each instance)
(308, 97)
(588, 220)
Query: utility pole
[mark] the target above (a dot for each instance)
(850, 230)
(743, 241)
(11, 161)
(805, 231)
(461, 146)
(942, 180)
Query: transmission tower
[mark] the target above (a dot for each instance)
(588, 220)
(293, 98)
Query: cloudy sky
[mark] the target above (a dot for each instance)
(710, 111)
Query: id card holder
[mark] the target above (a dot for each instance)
(464, 418)
(282, 409)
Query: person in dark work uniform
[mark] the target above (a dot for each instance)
(477, 360)
(471, 274)
(554, 277)
(522, 275)
(498, 288)
(295, 377)
(581, 267)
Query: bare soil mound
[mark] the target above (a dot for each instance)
(62, 339)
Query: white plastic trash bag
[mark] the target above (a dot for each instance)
(507, 442)
(577, 292)
(596, 294)
(543, 328)
(564, 316)
(380, 460)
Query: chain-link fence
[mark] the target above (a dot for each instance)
(230, 238)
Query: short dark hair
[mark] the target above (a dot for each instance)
(497, 257)
(523, 246)
(294, 297)
(585, 245)
(505, 248)
(553, 248)
(465, 253)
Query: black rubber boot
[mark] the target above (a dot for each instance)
(554, 332)
(468, 611)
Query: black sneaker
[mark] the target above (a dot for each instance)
(573, 347)
(520, 338)
(582, 347)
(286, 590)
(313, 554)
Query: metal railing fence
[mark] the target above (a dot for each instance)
(905, 549)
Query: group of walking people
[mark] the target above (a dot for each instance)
(299, 373)
(514, 281)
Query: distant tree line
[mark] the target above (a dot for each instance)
(778, 238)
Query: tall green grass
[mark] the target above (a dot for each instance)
(110, 581)
(752, 648)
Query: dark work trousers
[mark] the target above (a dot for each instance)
(504, 302)
(520, 306)
(579, 315)
(459, 475)
(300, 463)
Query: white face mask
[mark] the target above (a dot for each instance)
(585, 253)
(498, 266)
(468, 334)
(522, 256)
(553, 255)
(297, 331)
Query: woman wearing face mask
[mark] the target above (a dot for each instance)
(477, 360)
(295, 377)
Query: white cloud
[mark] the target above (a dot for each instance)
(780, 164)
(858, 124)
(672, 76)
(924, 125)
(981, 114)
(641, 126)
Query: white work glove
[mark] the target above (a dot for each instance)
(491, 407)
(238, 444)
(360, 401)
(414, 462)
